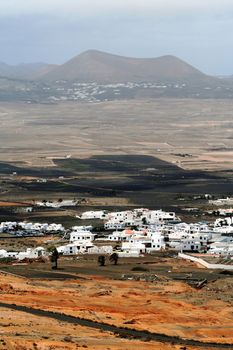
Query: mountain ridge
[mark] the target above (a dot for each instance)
(102, 67)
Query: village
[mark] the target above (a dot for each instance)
(128, 233)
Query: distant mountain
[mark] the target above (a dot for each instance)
(108, 77)
(101, 67)
(25, 71)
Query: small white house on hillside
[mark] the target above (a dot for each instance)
(32, 253)
(75, 248)
(81, 236)
(98, 214)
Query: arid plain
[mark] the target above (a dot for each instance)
(194, 138)
(193, 133)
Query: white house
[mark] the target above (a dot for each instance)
(108, 249)
(138, 247)
(222, 246)
(119, 236)
(153, 241)
(155, 216)
(129, 254)
(13, 255)
(81, 236)
(114, 225)
(223, 229)
(75, 248)
(82, 228)
(189, 245)
(32, 253)
(222, 201)
(58, 203)
(157, 242)
(3, 253)
(98, 214)
(121, 216)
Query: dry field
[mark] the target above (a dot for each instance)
(12, 204)
(165, 306)
(165, 128)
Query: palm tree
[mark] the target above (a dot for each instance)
(54, 258)
(101, 260)
(114, 258)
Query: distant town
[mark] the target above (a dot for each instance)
(90, 92)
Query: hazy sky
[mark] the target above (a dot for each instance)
(198, 31)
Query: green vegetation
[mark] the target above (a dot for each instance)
(6, 260)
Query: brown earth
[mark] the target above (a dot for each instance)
(98, 66)
(192, 133)
(12, 204)
(164, 306)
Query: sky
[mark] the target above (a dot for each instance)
(53, 31)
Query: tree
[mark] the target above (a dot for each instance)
(114, 258)
(144, 221)
(54, 258)
(101, 260)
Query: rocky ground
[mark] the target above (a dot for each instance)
(161, 306)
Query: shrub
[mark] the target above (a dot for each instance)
(139, 269)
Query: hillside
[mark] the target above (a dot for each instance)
(25, 71)
(103, 67)
(95, 76)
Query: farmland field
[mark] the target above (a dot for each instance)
(191, 133)
(141, 152)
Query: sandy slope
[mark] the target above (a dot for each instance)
(171, 308)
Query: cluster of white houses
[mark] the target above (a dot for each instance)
(30, 253)
(57, 204)
(139, 231)
(128, 218)
(29, 228)
(222, 201)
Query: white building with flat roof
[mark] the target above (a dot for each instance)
(75, 248)
(81, 236)
(90, 215)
